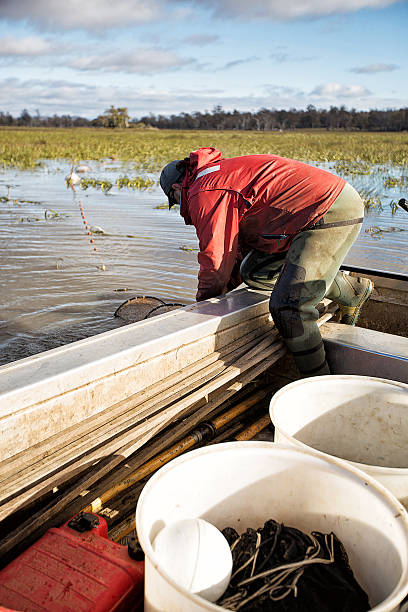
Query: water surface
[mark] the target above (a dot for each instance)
(55, 289)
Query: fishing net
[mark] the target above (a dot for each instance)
(143, 307)
(163, 308)
(282, 569)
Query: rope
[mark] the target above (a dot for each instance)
(71, 183)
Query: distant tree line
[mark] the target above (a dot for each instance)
(334, 118)
(27, 120)
(111, 118)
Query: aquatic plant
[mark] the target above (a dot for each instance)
(378, 232)
(52, 214)
(353, 168)
(136, 182)
(150, 150)
(371, 202)
(106, 185)
(103, 184)
(184, 247)
(391, 182)
(355, 155)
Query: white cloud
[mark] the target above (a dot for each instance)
(238, 62)
(338, 91)
(140, 61)
(100, 15)
(281, 57)
(26, 46)
(49, 97)
(283, 91)
(63, 97)
(79, 14)
(105, 14)
(90, 57)
(295, 9)
(374, 68)
(201, 39)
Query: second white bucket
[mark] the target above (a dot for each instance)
(360, 419)
(243, 484)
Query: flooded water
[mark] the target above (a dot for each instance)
(56, 289)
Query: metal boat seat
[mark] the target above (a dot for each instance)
(365, 352)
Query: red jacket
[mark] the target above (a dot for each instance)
(233, 202)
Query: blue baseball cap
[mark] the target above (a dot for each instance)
(172, 173)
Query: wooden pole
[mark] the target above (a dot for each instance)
(245, 369)
(174, 451)
(128, 524)
(52, 471)
(254, 428)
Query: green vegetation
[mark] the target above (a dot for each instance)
(371, 201)
(184, 247)
(105, 185)
(352, 168)
(392, 182)
(149, 149)
(366, 159)
(377, 232)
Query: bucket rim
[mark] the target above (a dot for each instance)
(334, 377)
(392, 601)
(379, 469)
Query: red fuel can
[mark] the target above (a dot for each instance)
(74, 568)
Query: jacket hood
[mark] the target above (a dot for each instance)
(202, 157)
(197, 160)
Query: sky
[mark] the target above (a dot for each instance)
(79, 57)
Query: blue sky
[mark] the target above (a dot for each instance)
(78, 57)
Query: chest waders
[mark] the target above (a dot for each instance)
(309, 272)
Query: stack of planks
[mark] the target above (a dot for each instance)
(86, 452)
(49, 482)
(241, 418)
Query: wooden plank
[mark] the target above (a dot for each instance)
(130, 441)
(178, 430)
(91, 457)
(114, 429)
(63, 386)
(172, 451)
(229, 382)
(59, 441)
(57, 511)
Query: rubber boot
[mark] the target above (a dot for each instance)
(350, 293)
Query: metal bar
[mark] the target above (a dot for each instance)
(381, 273)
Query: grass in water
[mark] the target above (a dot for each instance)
(363, 158)
(149, 150)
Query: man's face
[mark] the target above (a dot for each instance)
(177, 192)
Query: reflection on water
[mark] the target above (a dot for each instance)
(53, 286)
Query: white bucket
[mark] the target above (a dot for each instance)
(360, 419)
(242, 484)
